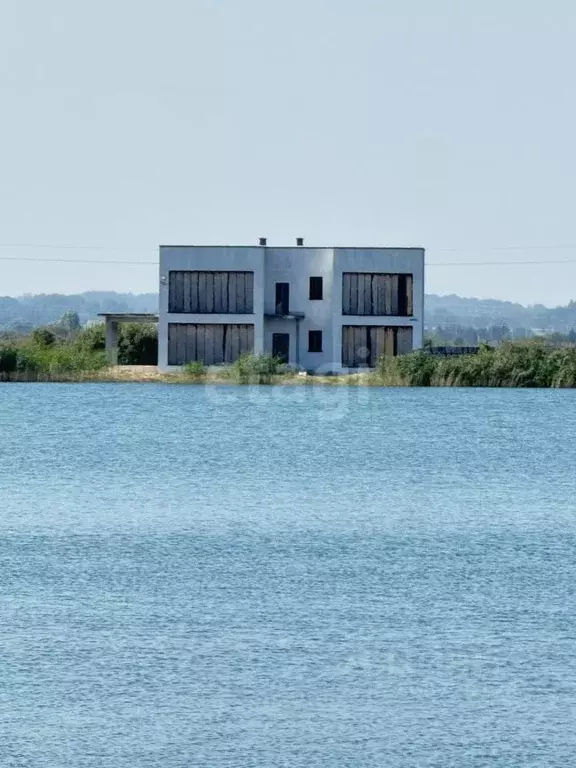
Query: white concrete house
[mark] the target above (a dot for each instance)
(319, 309)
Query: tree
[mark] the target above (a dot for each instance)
(69, 322)
(8, 359)
(92, 337)
(43, 337)
(138, 344)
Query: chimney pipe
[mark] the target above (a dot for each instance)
(263, 241)
(299, 242)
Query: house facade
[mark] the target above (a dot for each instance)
(319, 309)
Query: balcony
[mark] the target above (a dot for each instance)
(280, 314)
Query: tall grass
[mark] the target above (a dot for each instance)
(530, 364)
(195, 370)
(28, 360)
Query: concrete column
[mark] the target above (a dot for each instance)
(111, 341)
(298, 343)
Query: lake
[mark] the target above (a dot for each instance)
(231, 577)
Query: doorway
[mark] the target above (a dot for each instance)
(281, 347)
(282, 298)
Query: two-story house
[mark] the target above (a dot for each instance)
(318, 309)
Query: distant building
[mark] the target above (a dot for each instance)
(318, 309)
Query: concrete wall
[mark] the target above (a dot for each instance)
(210, 258)
(296, 266)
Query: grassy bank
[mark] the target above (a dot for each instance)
(510, 365)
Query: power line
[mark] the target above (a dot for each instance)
(428, 264)
(497, 263)
(491, 248)
(78, 261)
(463, 249)
(78, 247)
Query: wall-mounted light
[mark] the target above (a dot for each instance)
(163, 279)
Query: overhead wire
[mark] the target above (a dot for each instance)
(130, 262)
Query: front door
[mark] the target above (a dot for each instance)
(282, 298)
(281, 346)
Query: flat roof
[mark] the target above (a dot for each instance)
(308, 247)
(130, 317)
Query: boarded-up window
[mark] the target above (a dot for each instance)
(211, 344)
(211, 293)
(370, 293)
(363, 345)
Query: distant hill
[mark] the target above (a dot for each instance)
(31, 311)
(41, 309)
(483, 313)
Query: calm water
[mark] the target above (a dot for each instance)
(256, 578)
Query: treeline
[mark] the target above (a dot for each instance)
(468, 336)
(480, 314)
(52, 352)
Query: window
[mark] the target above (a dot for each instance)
(209, 343)
(374, 293)
(315, 341)
(315, 288)
(207, 293)
(364, 345)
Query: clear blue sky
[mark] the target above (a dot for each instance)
(450, 124)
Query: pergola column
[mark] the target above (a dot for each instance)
(111, 341)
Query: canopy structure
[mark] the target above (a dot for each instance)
(112, 319)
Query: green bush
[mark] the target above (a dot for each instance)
(92, 338)
(70, 360)
(195, 369)
(33, 359)
(43, 337)
(257, 369)
(565, 374)
(8, 360)
(138, 344)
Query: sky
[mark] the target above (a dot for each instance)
(129, 123)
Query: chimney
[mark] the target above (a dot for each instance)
(263, 241)
(299, 242)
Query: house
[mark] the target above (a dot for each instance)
(318, 309)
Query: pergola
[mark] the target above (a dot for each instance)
(112, 319)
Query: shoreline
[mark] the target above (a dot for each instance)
(134, 374)
(145, 374)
